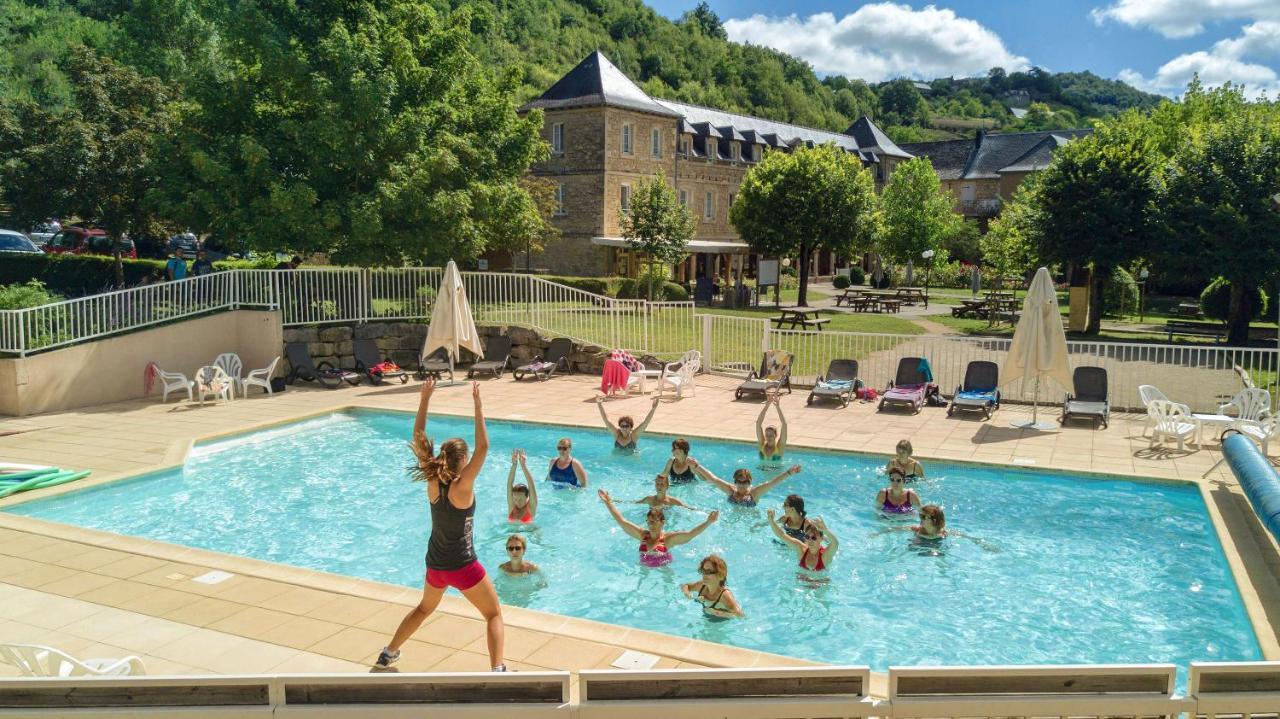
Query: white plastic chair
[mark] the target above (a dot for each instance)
(681, 374)
(1147, 393)
(34, 660)
(213, 381)
(231, 364)
(1171, 420)
(1261, 432)
(173, 382)
(1251, 405)
(259, 378)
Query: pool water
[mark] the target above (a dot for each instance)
(1069, 569)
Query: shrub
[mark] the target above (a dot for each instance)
(594, 285)
(1121, 292)
(74, 275)
(671, 292)
(1215, 300)
(857, 276)
(841, 282)
(29, 294)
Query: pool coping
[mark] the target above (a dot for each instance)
(709, 653)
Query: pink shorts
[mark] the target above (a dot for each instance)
(460, 579)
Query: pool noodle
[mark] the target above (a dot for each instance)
(28, 474)
(44, 480)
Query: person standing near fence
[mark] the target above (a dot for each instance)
(202, 266)
(176, 267)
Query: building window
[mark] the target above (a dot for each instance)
(880, 172)
(626, 199)
(655, 142)
(735, 152)
(711, 148)
(684, 146)
(560, 211)
(967, 193)
(628, 131)
(557, 138)
(732, 196)
(709, 206)
(684, 198)
(755, 153)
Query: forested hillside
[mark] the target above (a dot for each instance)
(689, 60)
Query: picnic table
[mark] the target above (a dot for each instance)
(804, 317)
(911, 295)
(849, 296)
(1187, 309)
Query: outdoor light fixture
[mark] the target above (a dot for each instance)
(1142, 293)
(927, 255)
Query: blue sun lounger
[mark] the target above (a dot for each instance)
(980, 392)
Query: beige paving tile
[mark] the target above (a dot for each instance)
(159, 602)
(150, 634)
(202, 611)
(351, 644)
(198, 647)
(250, 658)
(346, 609)
(301, 632)
(246, 590)
(132, 565)
(250, 621)
(105, 624)
(308, 663)
(518, 643)
(39, 575)
(450, 630)
(116, 593)
(572, 654)
(297, 600)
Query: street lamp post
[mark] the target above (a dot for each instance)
(1142, 294)
(928, 256)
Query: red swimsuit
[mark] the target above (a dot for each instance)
(819, 566)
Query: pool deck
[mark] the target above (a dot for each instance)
(92, 593)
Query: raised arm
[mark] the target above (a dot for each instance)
(782, 425)
(420, 419)
(706, 474)
(787, 539)
(632, 529)
(758, 492)
(675, 538)
(647, 418)
(603, 416)
(511, 479)
(833, 542)
(467, 477)
(760, 422)
(528, 480)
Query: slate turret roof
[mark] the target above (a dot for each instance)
(990, 154)
(596, 81)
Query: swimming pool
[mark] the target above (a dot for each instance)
(1083, 570)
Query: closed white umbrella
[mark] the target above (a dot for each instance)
(452, 326)
(1039, 347)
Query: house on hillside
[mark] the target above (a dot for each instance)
(981, 174)
(606, 134)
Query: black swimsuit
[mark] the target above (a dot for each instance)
(450, 546)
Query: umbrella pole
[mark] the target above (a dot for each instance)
(1034, 423)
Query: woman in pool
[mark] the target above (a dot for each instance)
(655, 544)
(903, 461)
(741, 491)
(522, 499)
(771, 443)
(711, 592)
(813, 556)
(896, 498)
(932, 529)
(626, 433)
(451, 557)
(564, 468)
(660, 498)
(680, 468)
(515, 551)
(794, 519)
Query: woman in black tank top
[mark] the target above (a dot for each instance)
(451, 556)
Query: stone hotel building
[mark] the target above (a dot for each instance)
(606, 134)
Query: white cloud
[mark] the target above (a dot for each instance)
(1224, 62)
(883, 41)
(1184, 18)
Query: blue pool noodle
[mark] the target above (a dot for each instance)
(1257, 478)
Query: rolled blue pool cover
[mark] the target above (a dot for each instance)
(1257, 478)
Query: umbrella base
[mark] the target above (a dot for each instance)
(1033, 424)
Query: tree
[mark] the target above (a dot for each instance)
(1009, 246)
(812, 198)
(1096, 200)
(915, 215)
(657, 225)
(1220, 205)
(95, 160)
(530, 228)
(705, 19)
(902, 104)
(364, 129)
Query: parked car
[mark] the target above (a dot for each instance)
(88, 241)
(186, 242)
(14, 241)
(41, 233)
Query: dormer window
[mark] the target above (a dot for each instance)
(755, 153)
(684, 146)
(735, 151)
(628, 139)
(711, 148)
(557, 138)
(655, 142)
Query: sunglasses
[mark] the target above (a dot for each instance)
(742, 481)
(707, 570)
(515, 549)
(564, 448)
(624, 425)
(897, 478)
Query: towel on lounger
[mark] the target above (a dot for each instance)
(836, 384)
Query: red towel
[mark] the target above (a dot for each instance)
(614, 376)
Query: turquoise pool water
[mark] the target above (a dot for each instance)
(1080, 569)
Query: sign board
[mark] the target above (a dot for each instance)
(482, 265)
(768, 273)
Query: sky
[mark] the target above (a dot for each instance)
(1154, 45)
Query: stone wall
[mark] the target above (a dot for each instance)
(401, 342)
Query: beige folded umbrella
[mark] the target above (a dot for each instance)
(1039, 347)
(452, 326)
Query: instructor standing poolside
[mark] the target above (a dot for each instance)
(451, 557)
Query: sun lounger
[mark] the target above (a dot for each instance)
(838, 383)
(368, 359)
(980, 392)
(774, 374)
(1089, 398)
(435, 364)
(909, 384)
(497, 354)
(304, 368)
(545, 365)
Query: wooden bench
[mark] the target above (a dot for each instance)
(1192, 328)
(1136, 690)
(739, 693)
(889, 304)
(1235, 688)
(99, 697)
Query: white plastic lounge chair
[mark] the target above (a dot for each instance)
(1170, 420)
(1250, 405)
(212, 381)
(1147, 393)
(681, 375)
(1261, 432)
(231, 364)
(259, 378)
(173, 382)
(34, 660)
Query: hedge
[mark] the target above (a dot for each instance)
(1215, 300)
(74, 275)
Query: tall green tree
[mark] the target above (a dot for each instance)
(902, 104)
(1096, 203)
(915, 215)
(1221, 205)
(1009, 247)
(366, 129)
(813, 198)
(96, 160)
(656, 225)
